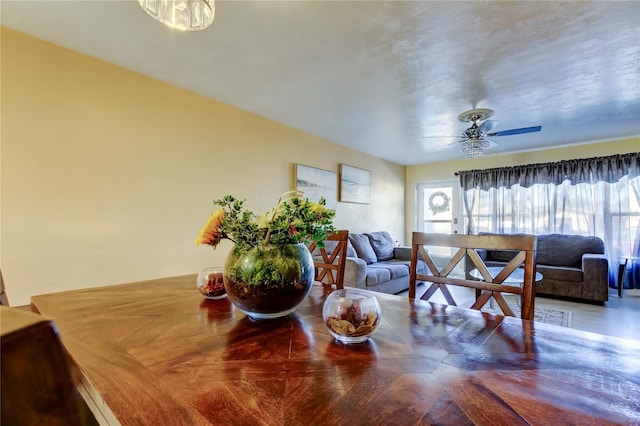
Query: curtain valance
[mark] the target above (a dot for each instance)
(587, 170)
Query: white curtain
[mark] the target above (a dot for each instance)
(634, 273)
(496, 202)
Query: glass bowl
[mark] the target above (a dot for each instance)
(210, 283)
(351, 315)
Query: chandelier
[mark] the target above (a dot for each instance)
(184, 15)
(474, 147)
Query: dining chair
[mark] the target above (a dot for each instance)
(523, 248)
(37, 386)
(330, 261)
(4, 300)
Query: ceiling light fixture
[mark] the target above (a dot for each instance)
(474, 147)
(184, 15)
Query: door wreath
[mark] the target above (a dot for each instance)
(439, 202)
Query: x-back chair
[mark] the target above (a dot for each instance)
(524, 255)
(330, 268)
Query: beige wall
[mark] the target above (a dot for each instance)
(447, 170)
(107, 175)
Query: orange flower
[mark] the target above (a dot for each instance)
(211, 233)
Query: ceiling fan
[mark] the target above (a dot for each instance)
(473, 140)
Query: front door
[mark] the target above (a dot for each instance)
(439, 207)
(439, 211)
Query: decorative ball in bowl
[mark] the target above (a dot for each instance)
(210, 283)
(351, 315)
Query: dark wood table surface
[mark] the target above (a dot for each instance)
(157, 353)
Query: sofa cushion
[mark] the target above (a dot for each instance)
(566, 250)
(421, 265)
(396, 269)
(382, 244)
(377, 275)
(500, 255)
(363, 248)
(561, 273)
(556, 250)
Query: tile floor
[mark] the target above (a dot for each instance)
(618, 317)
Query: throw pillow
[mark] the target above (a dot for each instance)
(363, 247)
(382, 244)
(329, 247)
(351, 252)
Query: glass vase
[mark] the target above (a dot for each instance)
(210, 283)
(268, 281)
(351, 315)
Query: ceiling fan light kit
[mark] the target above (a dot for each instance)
(472, 141)
(473, 145)
(183, 15)
(474, 148)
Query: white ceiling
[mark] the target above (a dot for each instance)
(379, 76)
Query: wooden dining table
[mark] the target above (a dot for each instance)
(156, 353)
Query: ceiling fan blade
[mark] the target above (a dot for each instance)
(516, 131)
(443, 147)
(456, 144)
(487, 126)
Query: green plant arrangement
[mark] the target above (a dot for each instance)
(269, 271)
(293, 220)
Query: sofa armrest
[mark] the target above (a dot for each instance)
(355, 273)
(594, 262)
(402, 253)
(595, 269)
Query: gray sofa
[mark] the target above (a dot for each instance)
(572, 266)
(374, 263)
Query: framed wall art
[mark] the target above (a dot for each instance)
(317, 183)
(355, 185)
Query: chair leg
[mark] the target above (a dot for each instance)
(622, 268)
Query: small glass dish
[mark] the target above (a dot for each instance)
(351, 315)
(210, 283)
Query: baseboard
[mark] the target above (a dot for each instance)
(633, 292)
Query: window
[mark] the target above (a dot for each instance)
(597, 196)
(610, 211)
